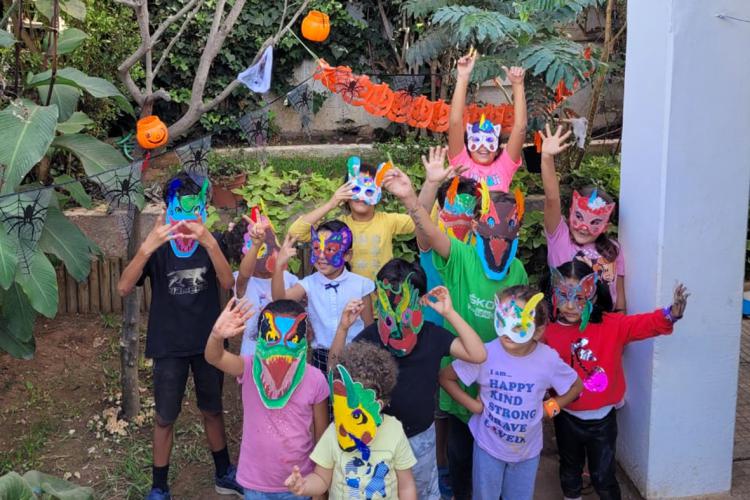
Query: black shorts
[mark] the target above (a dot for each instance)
(170, 378)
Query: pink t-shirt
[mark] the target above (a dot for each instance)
(274, 441)
(512, 389)
(498, 174)
(561, 249)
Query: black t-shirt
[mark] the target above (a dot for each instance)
(413, 398)
(184, 302)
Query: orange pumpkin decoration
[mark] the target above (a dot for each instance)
(440, 115)
(401, 107)
(380, 100)
(316, 26)
(325, 74)
(421, 112)
(362, 92)
(151, 132)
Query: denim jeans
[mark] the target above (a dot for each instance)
(460, 446)
(264, 495)
(425, 470)
(511, 480)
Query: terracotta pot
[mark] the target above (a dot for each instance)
(223, 197)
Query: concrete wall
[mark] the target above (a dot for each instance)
(683, 215)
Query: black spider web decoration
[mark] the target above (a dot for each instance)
(122, 189)
(411, 84)
(23, 218)
(255, 125)
(194, 158)
(301, 100)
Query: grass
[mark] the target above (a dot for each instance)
(25, 456)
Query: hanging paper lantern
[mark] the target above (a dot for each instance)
(316, 26)
(151, 132)
(440, 115)
(401, 107)
(380, 100)
(421, 112)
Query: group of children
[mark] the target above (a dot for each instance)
(340, 370)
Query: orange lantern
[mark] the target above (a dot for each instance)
(401, 107)
(421, 112)
(380, 100)
(440, 114)
(316, 26)
(151, 132)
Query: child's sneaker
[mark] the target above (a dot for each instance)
(227, 484)
(158, 494)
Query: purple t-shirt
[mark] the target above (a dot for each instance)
(274, 441)
(561, 249)
(498, 174)
(512, 389)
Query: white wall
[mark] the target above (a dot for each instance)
(683, 214)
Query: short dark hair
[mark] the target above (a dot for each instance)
(333, 226)
(524, 292)
(396, 271)
(372, 366)
(180, 184)
(578, 269)
(234, 241)
(465, 186)
(364, 168)
(284, 306)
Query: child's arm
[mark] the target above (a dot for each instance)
(160, 234)
(367, 316)
(435, 174)
(247, 265)
(575, 390)
(468, 346)
(620, 304)
(449, 382)
(320, 419)
(551, 147)
(231, 322)
(428, 234)
(204, 237)
(352, 310)
(643, 326)
(316, 483)
(407, 488)
(300, 228)
(278, 290)
(456, 130)
(518, 134)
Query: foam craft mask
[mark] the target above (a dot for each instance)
(400, 317)
(514, 321)
(269, 250)
(280, 357)
(191, 207)
(483, 133)
(332, 249)
(365, 188)
(258, 76)
(580, 294)
(590, 214)
(497, 232)
(454, 219)
(356, 412)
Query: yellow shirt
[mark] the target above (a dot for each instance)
(352, 477)
(373, 239)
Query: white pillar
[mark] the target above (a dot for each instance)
(683, 215)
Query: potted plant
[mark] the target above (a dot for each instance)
(227, 172)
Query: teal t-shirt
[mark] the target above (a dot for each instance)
(473, 296)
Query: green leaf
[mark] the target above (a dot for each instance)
(75, 189)
(65, 241)
(28, 130)
(64, 96)
(95, 155)
(6, 39)
(19, 314)
(12, 484)
(57, 488)
(96, 87)
(44, 7)
(8, 258)
(77, 122)
(40, 285)
(70, 40)
(74, 8)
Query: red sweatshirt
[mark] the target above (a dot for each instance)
(596, 353)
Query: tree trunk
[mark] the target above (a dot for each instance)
(129, 342)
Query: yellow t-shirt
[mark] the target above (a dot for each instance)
(373, 239)
(375, 478)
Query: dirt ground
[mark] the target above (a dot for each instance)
(55, 410)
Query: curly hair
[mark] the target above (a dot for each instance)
(371, 366)
(523, 292)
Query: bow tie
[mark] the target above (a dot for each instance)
(335, 286)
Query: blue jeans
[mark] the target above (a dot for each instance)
(425, 470)
(511, 480)
(264, 495)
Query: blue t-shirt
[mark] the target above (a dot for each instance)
(433, 280)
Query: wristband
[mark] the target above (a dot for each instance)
(551, 408)
(667, 311)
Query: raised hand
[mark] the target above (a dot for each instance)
(159, 234)
(351, 312)
(439, 299)
(434, 165)
(679, 302)
(295, 483)
(554, 144)
(342, 194)
(465, 64)
(197, 232)
(258, 231)
(232, 319)
(398, 183)
(286, 252)
(515, 74)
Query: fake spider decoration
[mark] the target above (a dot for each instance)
(123, 191)
(410, 84)
(349, 87)
(194, 158)
(255, 125)
(300, 99)
(23, 217)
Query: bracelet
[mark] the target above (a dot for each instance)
(551, 408)
(667, 312)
